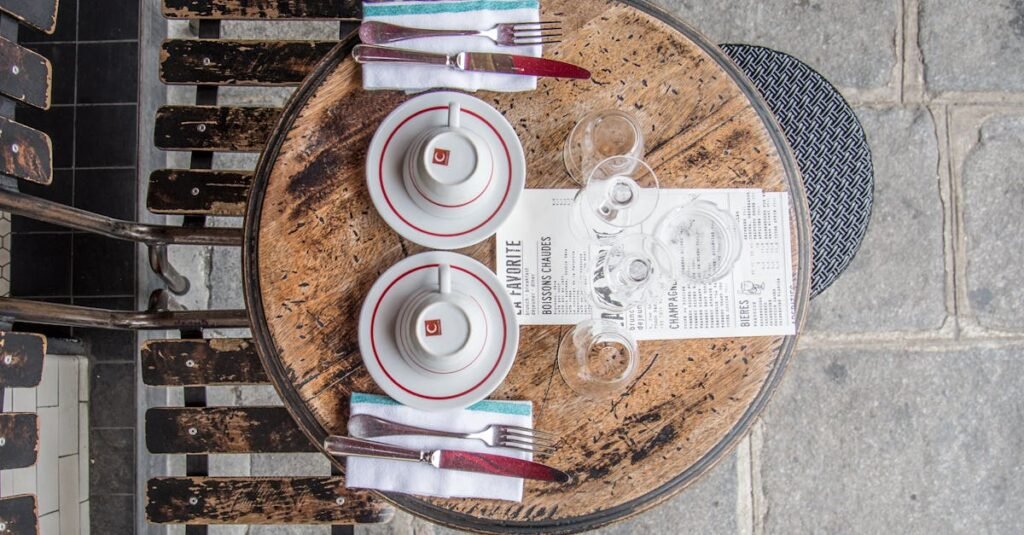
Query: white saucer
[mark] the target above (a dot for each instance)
(384, 161)
(418, 387)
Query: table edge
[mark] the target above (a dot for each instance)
(312, 428)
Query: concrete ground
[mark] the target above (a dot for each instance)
(900, 413)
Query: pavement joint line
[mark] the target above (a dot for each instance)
(912, 88)
(895, 341)
(962, 140)
(901, 48)
(950, 228)
(980, 98)
(745, 519)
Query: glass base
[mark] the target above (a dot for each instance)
(598, 359)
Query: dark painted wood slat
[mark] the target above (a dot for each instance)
(263, 9)
(224, 430)
(214, 361)
(20, 515)
(25, 153)
(27, 76)
(21, 359)
(224, 62)
(19, 440)
(41, 14)
(198, 192)
(295, 500)
(214, 128)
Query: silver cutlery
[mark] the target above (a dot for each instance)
(466, 461)
(495, 435)
(472, 61)
(508, 34)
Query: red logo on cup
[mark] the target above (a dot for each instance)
(432, 327)
(441, 156)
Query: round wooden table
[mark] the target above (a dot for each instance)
(314, 244)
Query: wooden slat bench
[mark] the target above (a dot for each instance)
(27, 76)
(202, 362)
(200, 430)
(21, 366)
(19, 440)
(198, 192)
(21, 359)
(25, 153)
(224, 430)
(263, 10)
(40, 14)
(246, 500)
(19, 515)
(214, 128)
(239, 62)
(209, 62)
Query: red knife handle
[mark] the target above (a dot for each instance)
(500, 465)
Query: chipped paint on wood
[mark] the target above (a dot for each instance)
(198, 192)
(271, 500)
(27, 76)
(25, 153)
(224, 430)
(218, 361)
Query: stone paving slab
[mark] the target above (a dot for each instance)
(897, 280)
(862, 441)
(853, 44)
(993, 198)
(972, 46)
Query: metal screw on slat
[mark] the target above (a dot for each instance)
(190, 363)
(195, 192)
(193, 500)
(201, 128)
(3, 442)
(8, 359)
(15, 148)
(15, 69)
(340, 501)
(3, 527)
(193, 431)
(206, 61)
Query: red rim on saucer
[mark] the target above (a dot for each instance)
(473, 222)
(412, 385)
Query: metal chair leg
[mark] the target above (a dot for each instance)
(23, 310)
(161, 265)
(156, 237)
(66, 216)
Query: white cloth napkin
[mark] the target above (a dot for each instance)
(449, 15)
(423, 479)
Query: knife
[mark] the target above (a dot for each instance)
(465, 461)
(472, 61)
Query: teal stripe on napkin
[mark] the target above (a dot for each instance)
(487, 405)
(431, 8)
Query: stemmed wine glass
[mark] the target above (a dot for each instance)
(620, 192)
(600, 135)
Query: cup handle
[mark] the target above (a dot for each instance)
(444, 278)
(454, 109)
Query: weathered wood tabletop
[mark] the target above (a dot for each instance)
(315, 244)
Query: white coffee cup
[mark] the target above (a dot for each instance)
(448, 168)
(440, 330)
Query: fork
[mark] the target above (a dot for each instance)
(508, 34)
(494, 435)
